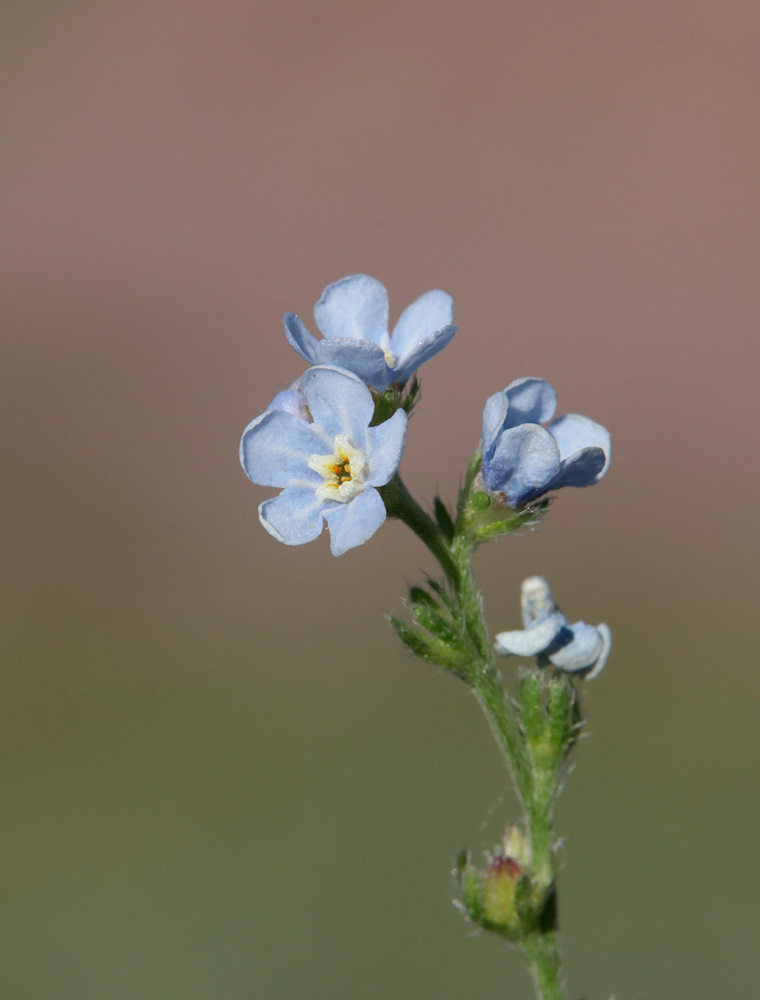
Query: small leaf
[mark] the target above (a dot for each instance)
(418, 595)
(437, 624)
(412, 638)
(444, 519)
(440, 590)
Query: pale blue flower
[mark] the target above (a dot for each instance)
(578, 648)
(352, 315)
(523, 460)
(315, 443)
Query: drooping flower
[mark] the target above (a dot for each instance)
(352, 315)
(577, 648)
(315, 443)
(523, 460)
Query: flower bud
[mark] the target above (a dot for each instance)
(499, 890)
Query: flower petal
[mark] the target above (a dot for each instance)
(581, 651)
(426, 315)
(356, 306)
(537, 601)
(386, 444)
(524, 460)
(353, 523)
(424, 351)
(276, 447)
(531, 401)
(582, 469)
(299, 337)
(339, 402)
(573, 433)
(494, 415)
(361, 357)
(291, 401)
(604, 632)
(530, 641)
(294, 517)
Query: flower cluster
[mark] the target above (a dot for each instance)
(314, 441)
(523, 460)
(578, 648)
(333, 438)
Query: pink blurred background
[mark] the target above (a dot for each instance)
(583, 179)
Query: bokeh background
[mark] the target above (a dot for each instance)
(221, 777)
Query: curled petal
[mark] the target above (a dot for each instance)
(597, 668)
(356, 306)
(574, 433)
(386, 444)
(291, 401)
(294, 517)
(524, 460)
(351, 524)
(536, 601)
(531, 401)
(580, 651)
(361, 357)
(276, 447)
(531, 641)
(425, 316)
(339, 402)
(582, 469)
(494, 415)
(299, 338)
(426, 349)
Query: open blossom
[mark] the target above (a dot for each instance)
(577, 648)
(314, 442)
(523, 460)
(352, 315)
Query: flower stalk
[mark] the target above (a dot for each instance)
(332, 443)
(533, 734)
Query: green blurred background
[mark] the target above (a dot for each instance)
(221, 776)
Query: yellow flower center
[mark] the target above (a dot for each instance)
(343, 471)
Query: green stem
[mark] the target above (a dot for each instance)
(484, 678)
(535, 788)
(542, 953)
(399, 503)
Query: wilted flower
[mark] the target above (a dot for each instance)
(523, 460)
(315, 443)
(549, 636)
(352, 315)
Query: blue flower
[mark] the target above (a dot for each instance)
(315, 443)
(578, 648)
(353, 318)
(524, 460)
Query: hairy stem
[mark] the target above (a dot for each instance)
(536, 786)
(399, 503)
(542, 953)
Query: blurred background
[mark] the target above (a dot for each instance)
(221, 777)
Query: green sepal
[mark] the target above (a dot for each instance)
(468, 879)
(485, 516)
(386, 404)
(412, 395)
(530, 703)
(563, 715)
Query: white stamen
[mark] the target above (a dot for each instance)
(343, 471)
